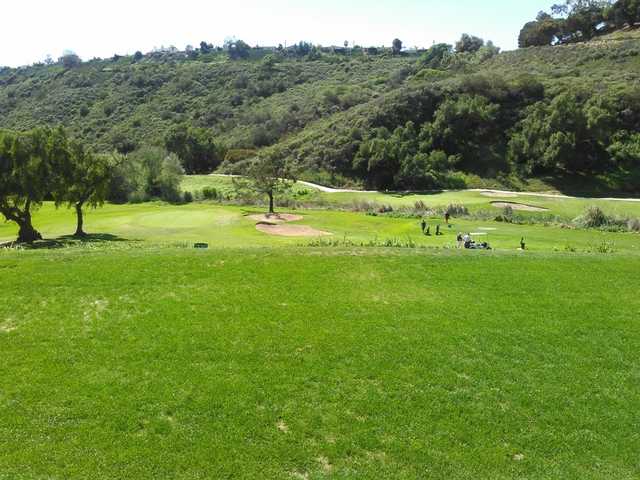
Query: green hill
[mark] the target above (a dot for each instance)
(557, 112)
(247, 103)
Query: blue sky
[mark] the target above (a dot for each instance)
(33, 29)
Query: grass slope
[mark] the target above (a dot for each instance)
(169, 363)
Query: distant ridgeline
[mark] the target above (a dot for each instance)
(396, 118)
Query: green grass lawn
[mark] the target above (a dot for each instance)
(564, 208)
(135, 356)
(317, 363)
(228, 226)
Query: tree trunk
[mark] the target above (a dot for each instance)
(80, 221)
(26, 233)
(271, 209)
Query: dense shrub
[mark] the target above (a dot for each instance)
(457, 210)
(209, 193)
(593, 217)
(384, 121)
(146, 174)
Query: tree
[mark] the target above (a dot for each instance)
(302, 49)
(487, 51)
(396, 46)
(469, 43)
(25, 173)
(83, 180)
(568, 134)
(122, 142)
(377, 158)
(624, 12)
(268, 174)
(70, 60)
(579, 20)
(148, 173)
(138, 56)
(625, 149)
(205, 47)
(539, 33)
(196, 149)
(436, 56)
(464, 126)
(238, 49)
(191, 52)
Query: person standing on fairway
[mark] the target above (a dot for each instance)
(423, 225)
(447, 217)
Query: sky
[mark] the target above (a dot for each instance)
(33, 29)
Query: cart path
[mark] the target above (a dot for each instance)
(324, 189)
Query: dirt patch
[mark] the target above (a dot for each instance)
(8, 326)
(519, 206)
(277, 218)
(325, 464)
(283, 230)
(499, 194)
(282, 426)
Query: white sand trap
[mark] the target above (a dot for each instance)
(519, 206)
(499, 194)
(283, 230)
(477, 234)
(487, 229)
(276, 218)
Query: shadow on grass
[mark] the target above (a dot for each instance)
(621, 184)
(412, 193)
(68, 241)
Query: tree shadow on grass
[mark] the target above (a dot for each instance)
(413, 193)
(66, 241)
(618, 184)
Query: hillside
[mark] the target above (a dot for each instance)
(247, 103)
(556, 112)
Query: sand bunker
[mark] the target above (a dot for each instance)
(277, 218)
(499, 194)
(519, 206)
(284, 230)
(278, 224)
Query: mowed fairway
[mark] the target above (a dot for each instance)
(132, 355)
(562, 207)
(318, 363)
(231, 227)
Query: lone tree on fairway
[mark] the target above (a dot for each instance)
(84, 180)
(268, 174)
(25, 172)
